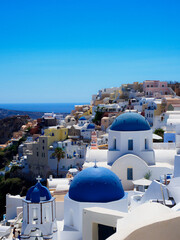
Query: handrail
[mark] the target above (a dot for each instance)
(20, 215)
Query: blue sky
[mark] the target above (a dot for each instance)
(65, 50)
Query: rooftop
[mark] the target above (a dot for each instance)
(130, 122)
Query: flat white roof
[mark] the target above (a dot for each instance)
(165, 156)
(96, 154)
(142, 182)
(52, 184)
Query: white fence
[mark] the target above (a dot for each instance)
(164, 146)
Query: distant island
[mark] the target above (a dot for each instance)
(9, 113)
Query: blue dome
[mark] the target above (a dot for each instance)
(91, 126)
(130, 122)
(82, 118)
(35, 195)
(96, 184)
(38, 193)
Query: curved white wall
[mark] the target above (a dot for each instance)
(73, 210)
(138, 138)
(140, 168)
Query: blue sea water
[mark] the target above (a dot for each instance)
(41, 107)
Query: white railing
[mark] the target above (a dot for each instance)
(19, 217)
(164, 146)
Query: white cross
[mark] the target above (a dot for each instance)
(38, 178)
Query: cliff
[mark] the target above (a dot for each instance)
(8, 113)
(9, 125)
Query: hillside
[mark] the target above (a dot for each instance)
(9, 125)
(9, 113)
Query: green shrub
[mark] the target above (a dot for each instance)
(148, 175)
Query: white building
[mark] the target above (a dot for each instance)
(177, 156)
(141, 102)
(39, 216)
(130, 151)
(69, 120)
(149, 111)
(74, 155)
(13, 204)
(82, 121)
(93, 187)
(97, 207)
(168, 120)
(86, 131)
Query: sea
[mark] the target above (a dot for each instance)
(41, 107)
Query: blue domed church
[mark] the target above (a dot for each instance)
(130, 147)
(92, 187)
(130, 153)
(39, 216)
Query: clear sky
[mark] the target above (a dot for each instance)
(65, 50)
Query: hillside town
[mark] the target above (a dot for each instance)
(103, 167)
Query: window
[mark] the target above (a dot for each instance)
(114, 143)
(147, 85)
(71, 222)
(47, 214)
(129, 174)
(130, 144)
(146, 143)
(162, 85)
(37, 154)
(34, 215)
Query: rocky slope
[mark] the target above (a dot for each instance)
(8, 113)
(9, 125)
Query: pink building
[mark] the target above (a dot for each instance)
(154, 88)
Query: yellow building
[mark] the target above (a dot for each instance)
(56, 134)
(115, 94)
(88, 112)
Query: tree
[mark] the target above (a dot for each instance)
(98, 117)
(59, 154)
(160, 132)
